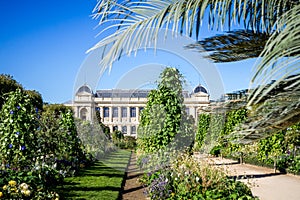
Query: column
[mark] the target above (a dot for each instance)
(137, 113)
(101, 113)
(77, 112)
(119, 114)
(128, 130)
(128, 114)
(110, 114)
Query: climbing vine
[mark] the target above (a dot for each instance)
(162, 119)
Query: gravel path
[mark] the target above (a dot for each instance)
(264, 182)
(133, 190)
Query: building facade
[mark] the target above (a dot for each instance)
(120, 109)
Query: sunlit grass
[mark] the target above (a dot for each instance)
(102, 181)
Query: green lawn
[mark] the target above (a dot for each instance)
(101, 181)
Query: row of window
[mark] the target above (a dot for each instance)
(124, 129)
(115, 111)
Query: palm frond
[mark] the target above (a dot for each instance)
(280, 56)
(277, 111)
(142, 20)
(275, 101)
(232, 46)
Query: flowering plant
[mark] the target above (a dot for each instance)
(13, 190)
(187, 178)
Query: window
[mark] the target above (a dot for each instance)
(141, 109)
(124, 112)
(133, 130)
(115, 128)
(132, 112)
(83, 114)
(124, 129)
(187, 110)
(106, 112)
(115, 112)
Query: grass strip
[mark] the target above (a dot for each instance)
(103, 180)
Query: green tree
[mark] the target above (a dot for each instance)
(138, 24)
(203, 126)
(105, 129)
(164, 121)
(7, 84)
(36, 98)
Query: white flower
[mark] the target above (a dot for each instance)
(23, 186)
(167, 179)
(197, 179)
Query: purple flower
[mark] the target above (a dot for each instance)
(18, 107)
(11, 112)
(18, 133)
(36, 110)
(23, 148)
(10, 146)
(7, 165)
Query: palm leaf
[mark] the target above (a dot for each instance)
(141, 20)
(275, 101)
(233, 46)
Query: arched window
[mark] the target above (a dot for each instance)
(83, 114)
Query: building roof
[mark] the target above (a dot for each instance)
(122, 93)
(84, 89)
(200, 88)
(127, 93)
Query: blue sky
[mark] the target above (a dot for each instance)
(44, 44)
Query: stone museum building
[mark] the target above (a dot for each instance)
(120, 108)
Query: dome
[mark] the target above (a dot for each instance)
(84, 89)
(200, 88)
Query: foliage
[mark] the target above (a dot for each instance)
(164, 122)
(36, 98)
(215, 130)
(117, 136)
(203, 125)
(7, 84)
(187, 178)
(129, 142)
(17, 128)
(55, 109)
(272, 146)
(39, 147)
(14, 190)
(94, 140)
(105, 129)
(138, 24)
(73, 150)
(232, 46)
(20, 149)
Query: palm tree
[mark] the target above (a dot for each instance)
(272, 23)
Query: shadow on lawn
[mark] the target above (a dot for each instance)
(102, 177)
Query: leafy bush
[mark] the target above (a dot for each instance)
(19, 152)
(94, 139)
(187, 178)
(216, 150)
(17, 128)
